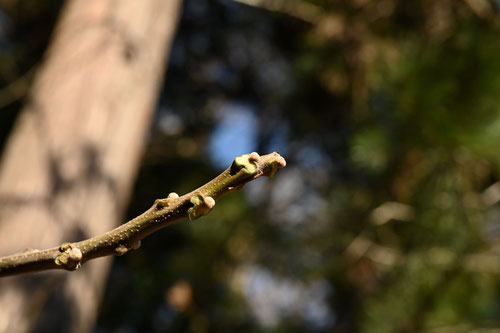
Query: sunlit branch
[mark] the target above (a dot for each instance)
(70, 256)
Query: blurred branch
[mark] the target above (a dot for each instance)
(16, 89)
(482, 8)
(70, 256)
(362, 246)
(386, 257)
(491, 195)
(391, 210)
(301, 10)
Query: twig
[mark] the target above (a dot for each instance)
(70, 256)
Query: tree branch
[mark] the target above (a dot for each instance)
(70, 256)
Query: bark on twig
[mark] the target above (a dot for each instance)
(70, 256)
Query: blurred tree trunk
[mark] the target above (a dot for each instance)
(69, 166)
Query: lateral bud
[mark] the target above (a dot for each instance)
(173, 195)
(201, 206)
(70, 257)
(162, 203)
(120, 250)
(246, 163)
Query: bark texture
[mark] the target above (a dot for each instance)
(69, 165)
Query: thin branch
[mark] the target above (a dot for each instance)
(70, 256)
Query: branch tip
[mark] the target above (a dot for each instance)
(275, 161)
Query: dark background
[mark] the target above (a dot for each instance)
(386, 218)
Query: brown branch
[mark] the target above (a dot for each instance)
(70, 256)
(16, 89)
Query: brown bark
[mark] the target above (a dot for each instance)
(69, 165)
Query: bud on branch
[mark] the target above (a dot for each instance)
(128, 236)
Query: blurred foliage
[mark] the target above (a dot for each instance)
(386, 218)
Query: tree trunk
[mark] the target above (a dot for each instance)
(69, 165)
